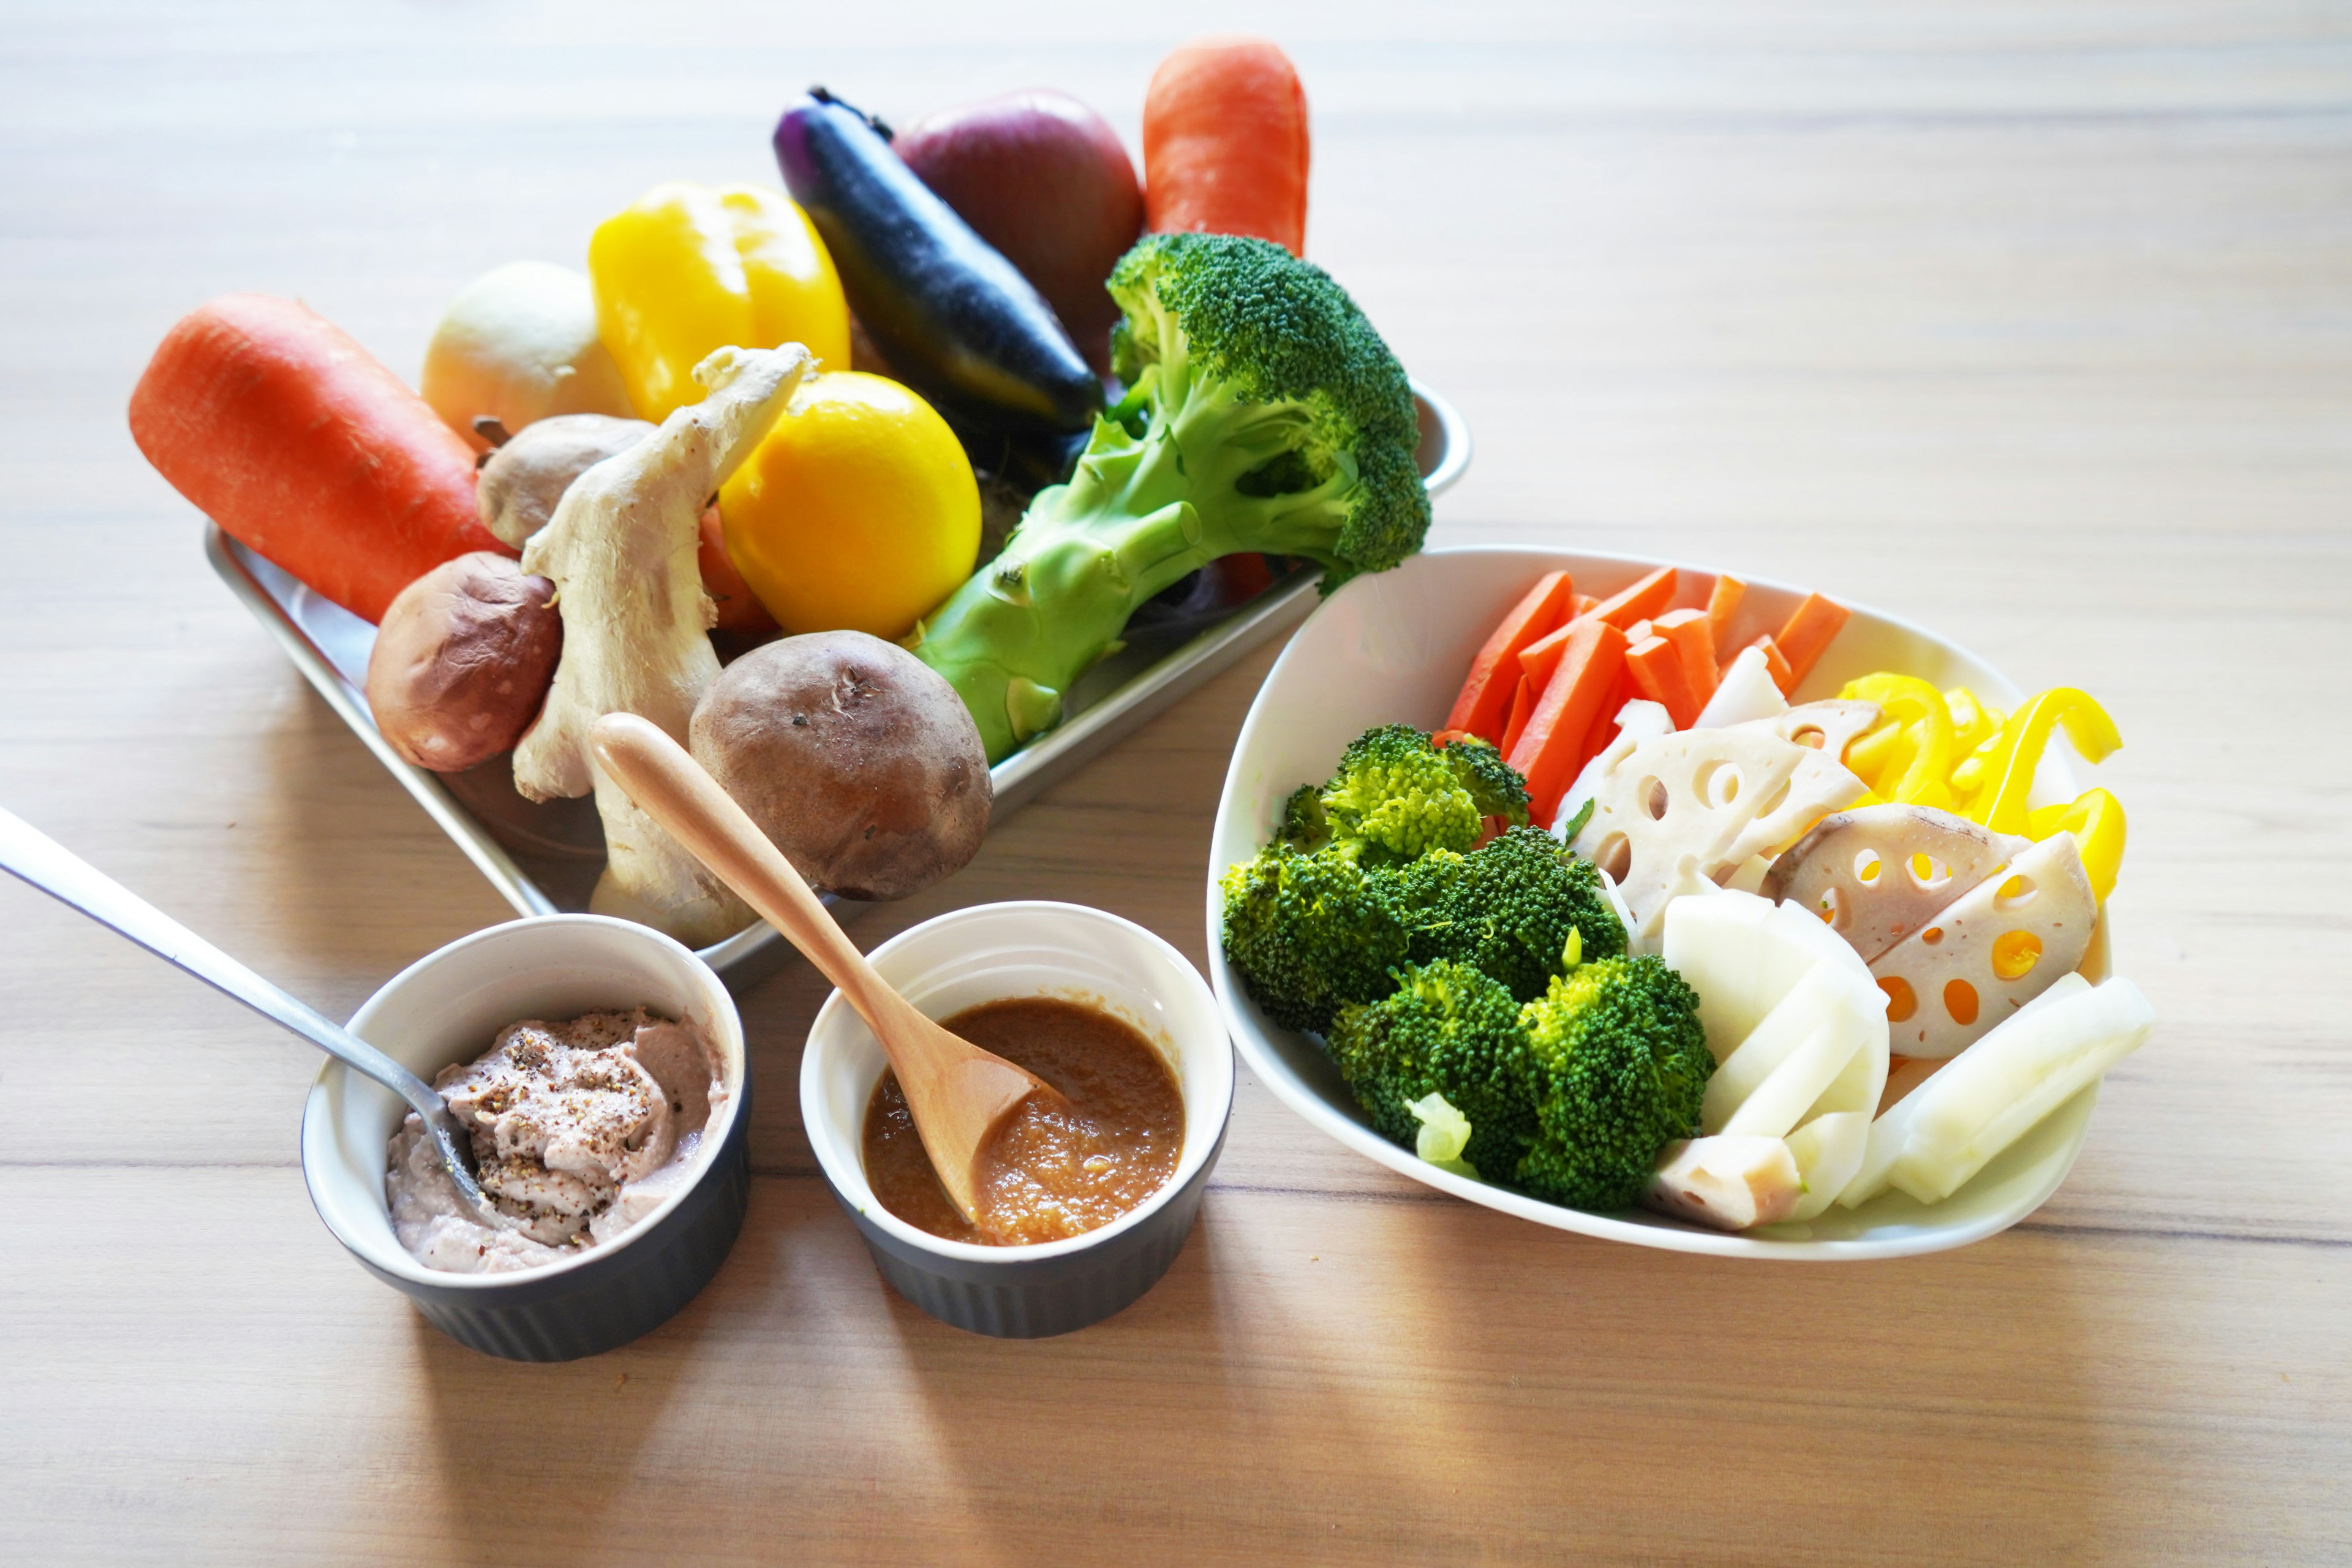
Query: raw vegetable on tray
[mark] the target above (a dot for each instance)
(868, 408)
(1767, 958)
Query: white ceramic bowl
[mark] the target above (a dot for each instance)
(447, 1007)
(987, 953)
(1394, 648)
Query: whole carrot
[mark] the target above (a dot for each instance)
(306, 450)
(1224, 142)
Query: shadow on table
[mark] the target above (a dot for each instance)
(1420, 1380)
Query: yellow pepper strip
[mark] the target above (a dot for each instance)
(2095, 818)
(1973, 723)
(1925, 753)
(2008, 761)
(691, 268)
(1869, 754)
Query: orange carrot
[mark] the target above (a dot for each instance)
(1723, 603)
(1604, 720)
(1547, 751)
(1441, 739)
(1774, 660)
(1484, 702)
(1523, 702)
(1224, 142)
(1811, 627)
(1692, 635)
(1585, 605)
(1648, 597)
(308, 451)
(1657, 669)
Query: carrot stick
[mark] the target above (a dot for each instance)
(1484, 702)
(1224, 142)
(1604, 720)
(1523, 702)
(1656, 666)
(306, 450)
(1723, 603)
(1648, 597)
(1623, 610)
(1585, 605)
(1692, 635)
(1546, 752)
(1811, 627)
(1776, 662)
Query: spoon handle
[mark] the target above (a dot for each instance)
(676, 791)
(29, 853)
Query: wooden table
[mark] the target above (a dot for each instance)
(2033, 321)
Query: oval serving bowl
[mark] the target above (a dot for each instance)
(448, 1007)
(1394, 648)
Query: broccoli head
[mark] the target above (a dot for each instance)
(1307, 933)
(1569, 1097)
(1396, 795)
(1618, 1066)
(1263, 413)
(1508, 909)
(1447, 1030)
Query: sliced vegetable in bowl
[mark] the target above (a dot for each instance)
(1393, 649)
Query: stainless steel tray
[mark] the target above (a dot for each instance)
(544, 858)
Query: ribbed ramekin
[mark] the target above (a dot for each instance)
(448, 1007)
(987, 953)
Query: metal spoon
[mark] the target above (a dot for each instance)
(29, 853)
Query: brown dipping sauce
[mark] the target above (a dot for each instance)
(1050, 1170)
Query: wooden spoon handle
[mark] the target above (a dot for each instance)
(677, 791)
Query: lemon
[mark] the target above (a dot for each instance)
(858, 512)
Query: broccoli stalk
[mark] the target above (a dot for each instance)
(1263, 414)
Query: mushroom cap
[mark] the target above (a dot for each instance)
(463, 661)
(520, 486)
(857, 759)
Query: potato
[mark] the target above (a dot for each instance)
(1045, 180)
(854, 755)
(463, 661)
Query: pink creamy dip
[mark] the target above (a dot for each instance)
(580, 1131)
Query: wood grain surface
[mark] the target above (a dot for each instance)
(2031, 321)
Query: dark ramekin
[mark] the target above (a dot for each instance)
(447, 1007)
(987, 953)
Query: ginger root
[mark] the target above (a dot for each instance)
(621, 550)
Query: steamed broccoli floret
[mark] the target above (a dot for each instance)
(1395, 797)
(1445, 1030)
(1620, 1065)
(1569, 1096)
(1308, 933)
(1508, 908)
(1263, 413)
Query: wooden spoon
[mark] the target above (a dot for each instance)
(958, 1093)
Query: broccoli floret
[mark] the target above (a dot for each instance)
(1507, 909)
(1308, 933)
(1263, 413)
(1569, 1096)
(1495, 787)
(1619, 1067)
(1447, 1030)
(1395, 797)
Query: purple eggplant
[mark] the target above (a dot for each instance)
(956, 320)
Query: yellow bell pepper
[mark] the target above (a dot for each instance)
(691, 268)
(1973, 723)
(1997, 776)
(2095, 818)
(1913, 768)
